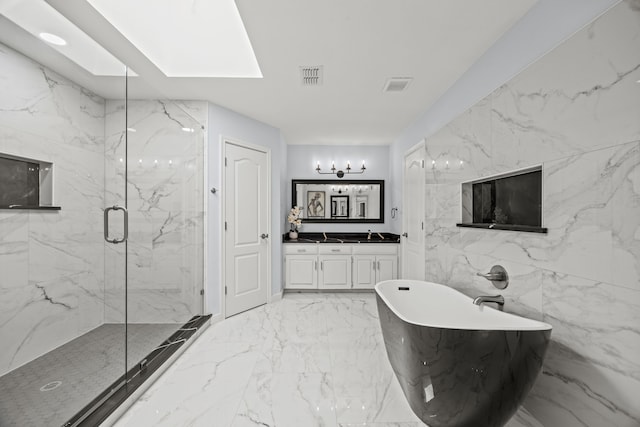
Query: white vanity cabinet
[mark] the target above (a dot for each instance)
(373, 263)
(335, 266)
(339, 266)
(301, 266)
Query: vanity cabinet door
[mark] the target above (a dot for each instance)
(301, 272)
(386, 267)
(371, 269)
(335, 272)
(364, 275)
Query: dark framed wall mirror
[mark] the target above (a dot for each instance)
(333, 201)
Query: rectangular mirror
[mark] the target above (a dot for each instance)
(321, 200)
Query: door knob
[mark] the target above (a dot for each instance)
(405, 234)
(264, 236)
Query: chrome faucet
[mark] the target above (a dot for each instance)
(498, 299)
(498, 276)
(369, 236)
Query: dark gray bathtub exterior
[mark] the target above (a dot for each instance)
(473, 378)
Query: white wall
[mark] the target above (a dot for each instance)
(224, 123)
(547, 24)
(301, 164)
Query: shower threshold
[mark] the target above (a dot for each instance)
(110, 400)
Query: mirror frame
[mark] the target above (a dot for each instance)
(337, 220)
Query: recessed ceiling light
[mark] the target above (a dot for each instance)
(53, 39)
(188, 129)
(40, 19)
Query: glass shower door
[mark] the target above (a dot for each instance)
(165, 144)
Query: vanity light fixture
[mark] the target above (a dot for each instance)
(340, 173)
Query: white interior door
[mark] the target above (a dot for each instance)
(413, 251)
(247, 248)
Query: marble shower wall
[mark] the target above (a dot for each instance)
(51, 262)
(577, 113)
(166, 211)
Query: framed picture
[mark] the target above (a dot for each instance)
(315, 204)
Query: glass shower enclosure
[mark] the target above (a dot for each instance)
(103, 271)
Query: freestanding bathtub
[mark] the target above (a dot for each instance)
(459, 364)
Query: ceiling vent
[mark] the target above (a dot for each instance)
(397, 84)
(311, 75)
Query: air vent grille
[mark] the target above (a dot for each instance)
(311, 75)
(397, 84)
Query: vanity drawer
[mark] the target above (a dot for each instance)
(376, 249)
(341, 249)
(300, 249)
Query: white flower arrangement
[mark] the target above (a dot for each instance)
(294, 218)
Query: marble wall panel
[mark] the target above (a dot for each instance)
(33, 323)
(591, 376)
(442, 201)
(165, 201)
(38, 100)
(626, 219)
(466, 139)
(523, 296)
(14, 249)
(51, 289)
(581, 96)
(577, 113)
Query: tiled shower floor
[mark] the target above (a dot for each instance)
(307, 360)
(85, 367)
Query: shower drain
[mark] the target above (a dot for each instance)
(51, 386)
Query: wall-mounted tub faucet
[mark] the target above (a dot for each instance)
(498, 276)
(498, 299)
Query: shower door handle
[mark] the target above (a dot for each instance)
(106, 223)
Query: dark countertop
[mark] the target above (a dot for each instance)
(343, 238)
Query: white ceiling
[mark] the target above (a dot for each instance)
(359, 43)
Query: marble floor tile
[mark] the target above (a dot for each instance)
(288, 399)
(307, 360)
(418, 424)
(204, 387)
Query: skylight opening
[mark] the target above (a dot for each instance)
(186, 39)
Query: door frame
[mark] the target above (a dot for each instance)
(419, 146)
(224, 140)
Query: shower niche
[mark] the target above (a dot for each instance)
(25, 183)
(511, 201)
